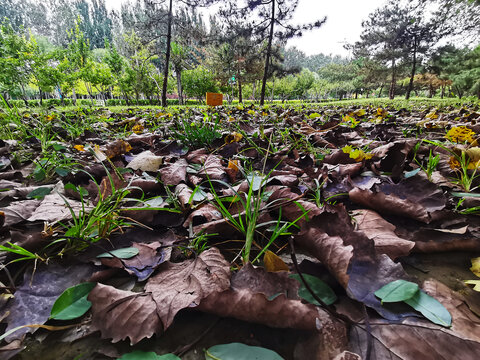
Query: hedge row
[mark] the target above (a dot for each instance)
(144, 102)
(47, 103)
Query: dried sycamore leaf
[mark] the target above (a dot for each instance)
(181, 285)
(122, 314)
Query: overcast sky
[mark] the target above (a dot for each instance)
(344, 18)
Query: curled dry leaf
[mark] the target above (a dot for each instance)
(204, 214)
(415, 198)
(213, 168)
(19, 211)
(142, 265)
(122, 314)
(382, 233)
(181, 285)
(174, 174)
(349, 255)
(248, 300)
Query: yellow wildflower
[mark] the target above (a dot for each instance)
(460, 134)
(138, 129)
(79, 147)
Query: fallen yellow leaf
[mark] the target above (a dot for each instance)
(79, 147)
(475, 266)
(138, 129)
(474, 282)
(233, 164)
(233, 137)
(273, 263)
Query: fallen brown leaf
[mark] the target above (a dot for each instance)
(142, 265)
(181, 285)
(122, 314)
(382, 233)
(174, 174)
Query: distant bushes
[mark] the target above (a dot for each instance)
(145, 102)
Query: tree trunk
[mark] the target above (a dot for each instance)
(254, 89)
(380, 92)
(167, 55)
(391, 92)
(5, 98)
(414, 65)
(74, 96)
(240, 98)
(443, 91)
(41, 96)
(273, 89)
(267, 60)
(24, 96)
(178, 72)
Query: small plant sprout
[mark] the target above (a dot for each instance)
(432, 162)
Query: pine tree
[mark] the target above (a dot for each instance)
(272, 24)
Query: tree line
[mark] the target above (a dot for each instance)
(160, 52)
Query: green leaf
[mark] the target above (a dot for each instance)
(398, 290)
(255, 181)
(73, 302)
(124, 253)
(81, 190)
(62, 171)
(199, 195)
(58, 147)
(411, 173)
(39, 193)
(39, 174)
(321, 289)
(430, 308)
(142, 355)
(462, 194)
(237, 351)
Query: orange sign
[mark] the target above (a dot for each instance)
(214, 99)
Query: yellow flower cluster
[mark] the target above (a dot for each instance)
(138, 129)
(356, 154)
(460, 134)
